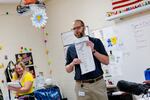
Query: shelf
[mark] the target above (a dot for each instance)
(128, 13)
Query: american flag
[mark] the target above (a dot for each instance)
(119, 4)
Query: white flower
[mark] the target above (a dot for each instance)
(39, 18)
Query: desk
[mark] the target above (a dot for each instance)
(120, 97)
(114, 94)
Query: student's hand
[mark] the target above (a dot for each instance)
(10, 88)
(91, 45)
(147, 82)
(13, 88)
(76, 61)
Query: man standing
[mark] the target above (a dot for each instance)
(89, 86)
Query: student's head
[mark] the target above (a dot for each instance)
(19, 68)
(78, 28)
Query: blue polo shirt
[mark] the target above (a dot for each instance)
(71, 54)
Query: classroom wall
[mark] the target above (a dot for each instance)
(17, 31)
(61, 15)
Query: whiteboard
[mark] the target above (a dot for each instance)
(133, 44)
(135, 34)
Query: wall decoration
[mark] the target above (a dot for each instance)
(27, 2)
(1, 65)
(45, 41)
(46, 51)
(112, 41)
(6, 57)
(109, 38)
(30, 49)
(39, 19)
(24, 7)
(25, 57)
(6, 13)
(125, 7)
(31, 70)
(49, 62)
(36, 8)
(24, 49)
(1, 47)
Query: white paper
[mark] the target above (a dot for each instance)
(68, 38)
(116, 63)
(109, 38)
(14, 84)
(82, 94)
(85, 55)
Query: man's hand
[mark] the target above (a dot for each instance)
(101, 57)
(70, 67)
(76, 61)
(91, 45)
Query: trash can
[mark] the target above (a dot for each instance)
(51, 93)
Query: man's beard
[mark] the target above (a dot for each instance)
(79, 35)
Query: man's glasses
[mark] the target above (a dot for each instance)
(78, 27)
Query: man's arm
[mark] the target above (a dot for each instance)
(101, 57)
(70, 67)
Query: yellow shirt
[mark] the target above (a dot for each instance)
(27, 77)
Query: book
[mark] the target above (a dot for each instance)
(14, 84)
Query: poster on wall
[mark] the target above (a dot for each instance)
(25, 57)
(108, 37)
(31, 70)
(69, 38)
(28, 61)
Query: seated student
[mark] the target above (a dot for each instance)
(26, 80)
(133, 87)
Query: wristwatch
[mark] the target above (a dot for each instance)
(93, 51)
